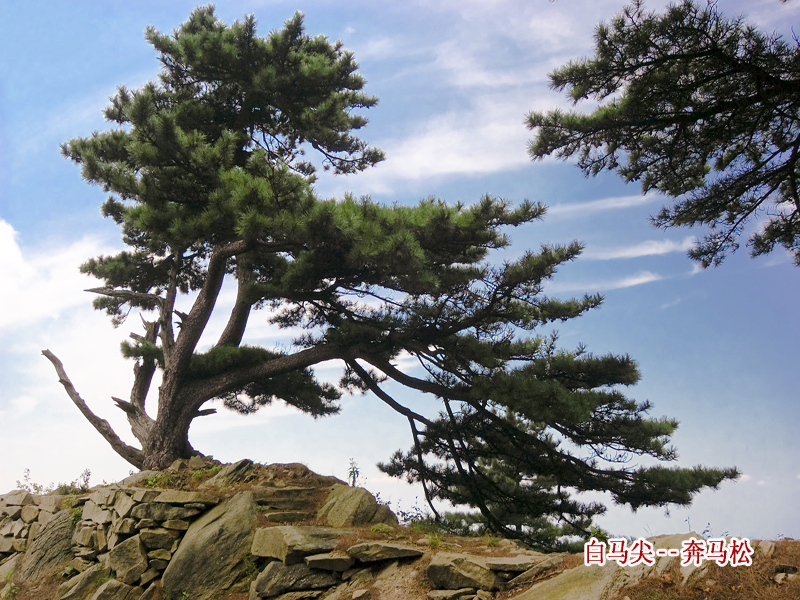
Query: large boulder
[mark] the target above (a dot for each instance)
(352, 506)
(51, 551)
(83, 586)
(290, 544)
(116, 590)
(369, 552)
(581, 583)
(453, 571)
(593, 582)
(214, 555)
(278, 578)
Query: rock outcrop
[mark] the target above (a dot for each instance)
(288, 535)
(214, 555)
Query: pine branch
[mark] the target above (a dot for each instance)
(128, 295)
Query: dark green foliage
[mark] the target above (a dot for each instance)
(207, 180)
(521, 441)
(700, 108)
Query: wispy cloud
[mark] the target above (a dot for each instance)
(486, 138)
(647, 248)
(639, 278)
(600, 205)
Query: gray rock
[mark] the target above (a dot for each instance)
(51, 504)
(12, 512)
(516, 564)
(140, 495)
(124, 526)
(197, 462)
(128, 560)
(330, 561)
(238, 472)
(538, 570)
(157, 538)
(29, 513)
(160, 511)
(291, 543)
(81, 587)
(9, 567)
(374, 551)
(302, 595)
(104, 497)
(160, 553)
(51, 550)
(278, 578)
(181, 497)
(176, 524)
(113, 590)
(453, 571)
(288, 498)
(581, 583)
(159, 564)
(149, 575)
(286, 516)
(17, 497)
(462, 594)
(83, 536)
(124, 505)
(44, 516)
(20, 544)
(765, 549)
(6, 545)
(93, 512)
(214, 555)
(350, 506)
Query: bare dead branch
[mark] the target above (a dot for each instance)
(129, 453)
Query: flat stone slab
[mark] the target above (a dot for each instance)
(292, 543)
(330, 561)
(181, 497)
(517, 564)
(287, 516)
(548, 564)
(162, 511)
(17, 498)
(374, 551)
(452, 571)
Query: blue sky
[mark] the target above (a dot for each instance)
(717, 348)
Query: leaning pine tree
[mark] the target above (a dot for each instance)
(207, 181)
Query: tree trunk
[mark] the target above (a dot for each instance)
(169, 438)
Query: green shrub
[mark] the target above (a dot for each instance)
(382, 528)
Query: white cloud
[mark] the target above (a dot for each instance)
(600, 205)
(487, 138)
(44, 284)
(639, 278)
(647, 248)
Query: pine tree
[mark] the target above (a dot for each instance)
(208, 180)
(699, 107)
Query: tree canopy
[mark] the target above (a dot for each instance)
(208, 180)
(699, 107)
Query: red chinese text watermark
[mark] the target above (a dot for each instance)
(735, 552)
